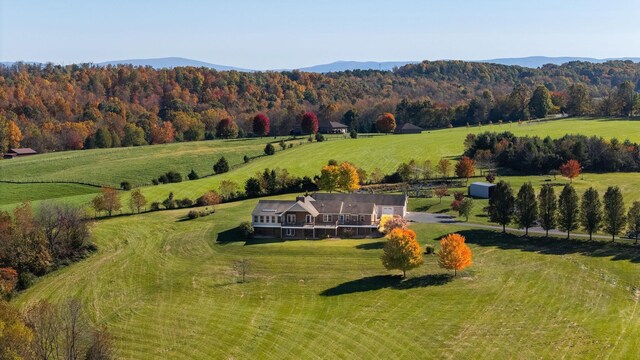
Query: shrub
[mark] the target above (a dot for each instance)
(155, 206)
(282, 144)
(353, 134)
(222, 166)
(246, 229)
(25, 280)
(125, 185)
(174, 177)
(490, 177)
(155, 181)
(290, 146)
(184, 203)
(458, 195)
(193, 175)
(193, 214)
(429, 250)
(319, 137)
(246, 159)
(269, 149)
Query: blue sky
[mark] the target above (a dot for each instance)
(289, 34)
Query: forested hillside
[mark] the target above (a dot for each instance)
(51, 108)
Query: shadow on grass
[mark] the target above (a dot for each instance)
(379, 282)
(553, 245)
(371, 246)
(229, 236)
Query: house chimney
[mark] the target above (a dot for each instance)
(300, 198)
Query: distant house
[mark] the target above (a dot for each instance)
(325, 215)
(408, 128)
(481, 190)
(332, 127)
(19, 152)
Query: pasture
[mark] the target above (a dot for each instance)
(139, 165)
(167, 288)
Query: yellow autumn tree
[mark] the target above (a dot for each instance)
(328, 180)
(402, 251)
(15, 135)
(454, 254)
(348, 179)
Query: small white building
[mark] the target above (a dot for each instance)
(482, 190)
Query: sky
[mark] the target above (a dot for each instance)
(297, 33)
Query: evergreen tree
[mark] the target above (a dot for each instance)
(548, 204)
(568, 210)
(540, 102)
(526, 207)
(614, 214)
(591, 212)
(501, 205)
(222, 166)
(103, 138)
(633, 219)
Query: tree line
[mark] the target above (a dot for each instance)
(566, 212)
(51, 107)
(535, 155)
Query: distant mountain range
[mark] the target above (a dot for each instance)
(171, 62)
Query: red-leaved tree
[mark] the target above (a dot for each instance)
(570, 169)
(261, 125)
(386, 123)
(309, 123)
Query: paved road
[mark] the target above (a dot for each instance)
(431, 218)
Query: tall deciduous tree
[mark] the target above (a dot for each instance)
(261, 125)
(348, 179)
(626, 98)
(633, 220)
(568, 210)
(579, 102)
(137, 201)
(402, 251)
(386, 123)
(548, 205)
(526, 207)
(226, 129)
(465, 168)
(111, 200)
(444, 167)
(540, 102)
(454, 254)
(502, 205)
(328, 180)
(465, 207)
(571, 169)
(614, 214)
(591, 211)
(309, 123)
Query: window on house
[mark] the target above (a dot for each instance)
(290, 232)
(361, 217)
(261, 218)
(291, 218)
(255, 219)
(273, 219)
(309, 218)
(267, 218)
(279, 219)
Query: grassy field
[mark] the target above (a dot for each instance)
(139, 165)
(166, 288)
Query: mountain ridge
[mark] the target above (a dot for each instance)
(343, 65)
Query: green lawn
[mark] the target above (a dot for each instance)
(167, 289)
(12, 194)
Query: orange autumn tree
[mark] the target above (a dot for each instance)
(570, 169)
(14, 134)
(465, 168)
(454, 254)
(402, 251)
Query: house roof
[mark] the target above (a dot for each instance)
(482, 184)
(303, 206)
(333, 124)
(272, 207)
(378, 199)
(23, 151)
(408, 126)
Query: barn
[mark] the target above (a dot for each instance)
(482, 190)
(408, 128)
